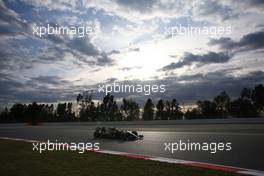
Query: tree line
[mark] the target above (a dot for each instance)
(35, 113)
(250, 103)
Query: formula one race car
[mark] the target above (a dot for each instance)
(114, 133)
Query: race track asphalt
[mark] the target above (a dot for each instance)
(247, 140)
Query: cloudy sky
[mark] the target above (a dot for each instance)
(130, 43)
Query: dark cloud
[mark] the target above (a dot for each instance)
(250, 41)
(134, 49)
(126, 68)
(84, 46)
(114, 52)
(4, 62)
(138, 5)
(51, 47)
(10, 23)
(110, 80)
(51, 54)
(190, 58)
(41, 89)
(173, 56)
(187, 88)
(206, 86)
(209, 8)
(51, 80)
(129, 68)
(103, 59)
(81, 48)
(191, 88)
(254, 3)
(15, 57)
(7, 84)
(58, 39)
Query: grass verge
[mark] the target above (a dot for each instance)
(18, 159)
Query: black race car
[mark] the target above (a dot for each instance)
(114, 133)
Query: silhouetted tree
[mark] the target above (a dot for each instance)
(109, 109)
(4, 116)
(17, 112)
(258, 97)
(207, 108)
(130, 110)
(222, 102)
(86, 107)
(192, 114)
(148, 113)
(65, 112)
(61, 111)
(243, 106)
(168, 110)
(250, 103)
(33, 113)
(175, 110)
(160, 114)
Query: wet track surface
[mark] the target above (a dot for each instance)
(247, 140)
